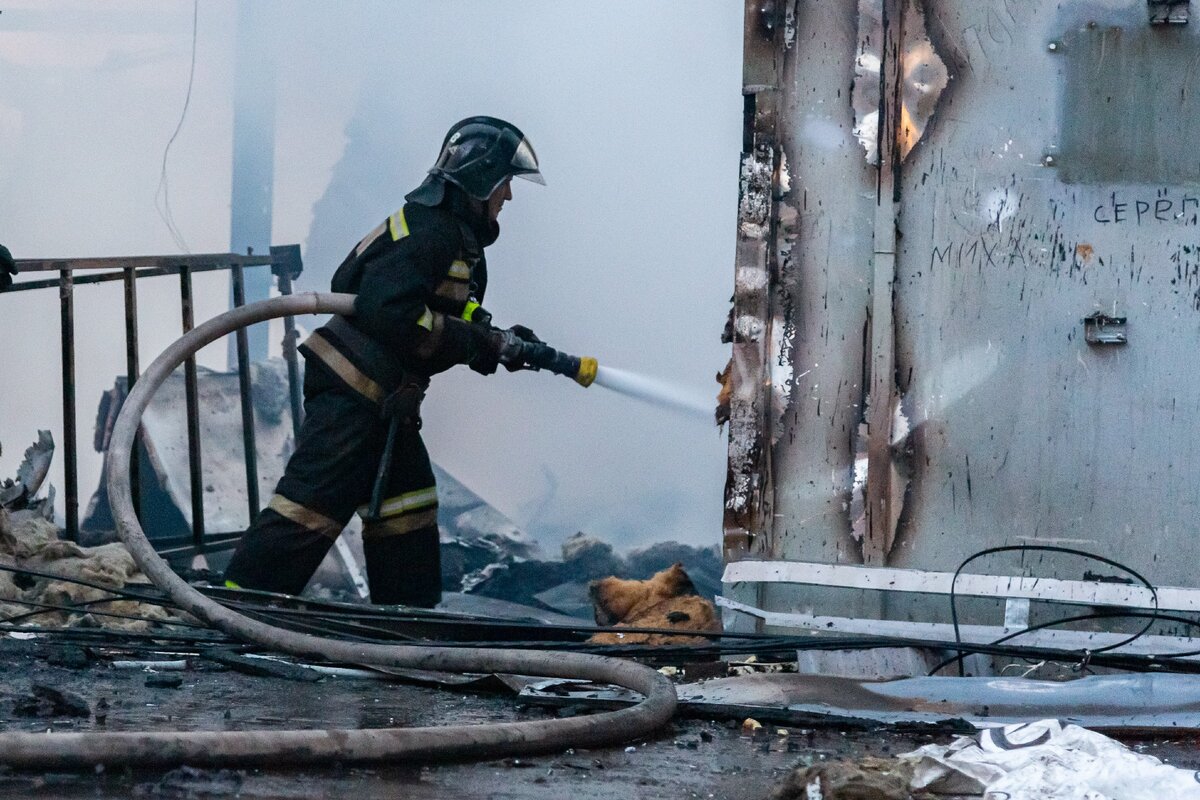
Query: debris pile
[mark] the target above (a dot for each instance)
(30, 543)
(165, 502)
(189, 782)
(666, 600)
(563, 585)
(49, 701)
(22, 493)
(868, 779)
(474, 534)
(1044, 760)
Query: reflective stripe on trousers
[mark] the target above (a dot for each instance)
(403, 513)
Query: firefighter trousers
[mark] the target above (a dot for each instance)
(330, 477)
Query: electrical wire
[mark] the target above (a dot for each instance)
(368, 624)
(761, 645)
(1152, 616)
(1086, 655)
(74, 608)
(163, 191)
(124, 593)
(110, 635)
(365, 623)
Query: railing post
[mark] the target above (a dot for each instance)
(191, 392)
(247, 394)
(66, 296)
(132, 370)
(130, 270)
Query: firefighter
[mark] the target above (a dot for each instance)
(420, 278)
(8, 268)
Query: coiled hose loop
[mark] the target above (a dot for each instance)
(78, 750)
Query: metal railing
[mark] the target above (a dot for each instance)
(285, 264)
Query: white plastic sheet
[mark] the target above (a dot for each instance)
(1048, 760)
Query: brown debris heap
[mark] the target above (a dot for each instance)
(868, 779)
(30, 541)
(666, 600)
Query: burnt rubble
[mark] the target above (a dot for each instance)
(21, 493)
(486, 569)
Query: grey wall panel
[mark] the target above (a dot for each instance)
(825, 240)
(827, 232)
(1022, 431)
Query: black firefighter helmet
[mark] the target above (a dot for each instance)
(478, 154)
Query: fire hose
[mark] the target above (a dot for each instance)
(226, 748)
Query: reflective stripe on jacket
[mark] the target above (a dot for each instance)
(419, 275)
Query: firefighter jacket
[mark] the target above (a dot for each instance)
(420, 277)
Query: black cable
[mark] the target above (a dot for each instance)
(785, 646)
(164, 212)
(285, 617)
(123, 593)
(305, 627)
(1049, 549)
(335, 617)
(73, 608)
(661, 654)
(109, 634)
(1106, 614)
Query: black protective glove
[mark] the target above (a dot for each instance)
(517, 358)
(8, 268)
(524, 333)
(495, 347)
(491, 347)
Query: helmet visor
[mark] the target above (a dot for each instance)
(525, 164)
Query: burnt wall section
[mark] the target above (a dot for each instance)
(826, 233)
(769, 35)
(935, 320)
(747, 491)
(804, 274)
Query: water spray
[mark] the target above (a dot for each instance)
(585, 371)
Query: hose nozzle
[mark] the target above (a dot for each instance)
(588, 367)
(538, 355)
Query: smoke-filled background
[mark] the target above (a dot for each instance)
(634, 109)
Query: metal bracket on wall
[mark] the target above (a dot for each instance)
(1168, 12)
(1100, 329)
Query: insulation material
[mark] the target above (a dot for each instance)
(30, 541)
(666, 600)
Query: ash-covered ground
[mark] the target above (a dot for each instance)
(691, 758)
